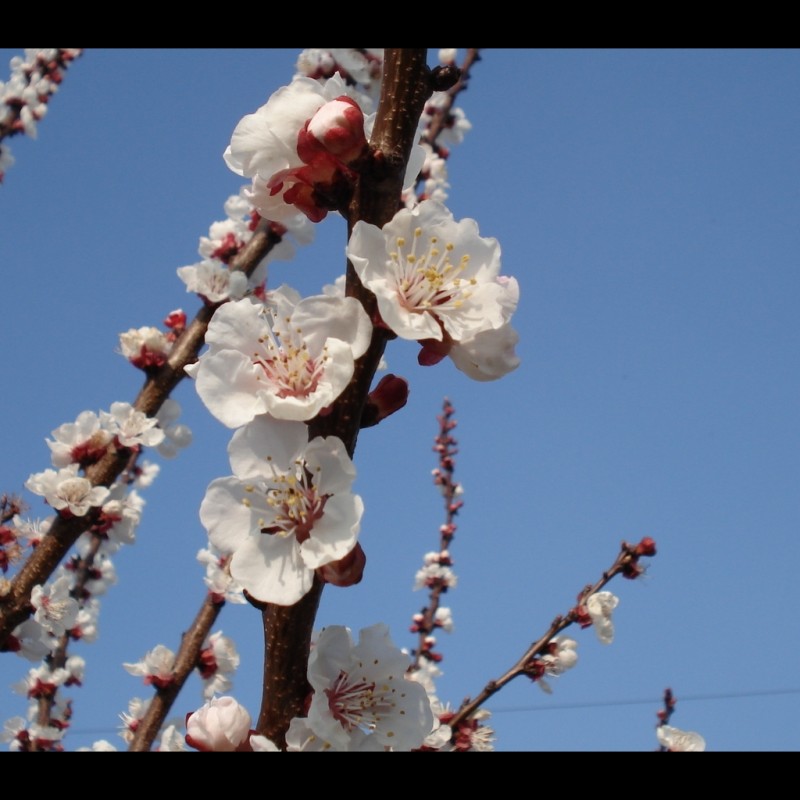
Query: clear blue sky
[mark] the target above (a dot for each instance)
(648, 203)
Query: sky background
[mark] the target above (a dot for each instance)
(647, 201)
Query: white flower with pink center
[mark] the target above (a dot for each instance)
(145, 347)
(363, 688)
(132, 428)
(434, 278)
(56, 611)
(214, 281)
(218, 577)
(66, 491)
(218, 660)
(287, 510)
(562, 656)
(29, 640)
(137, 708)
(156, 667)
(284, 359)
(82, 442)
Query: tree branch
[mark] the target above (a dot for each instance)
(15, 605)
(287, 630)
(185, 661)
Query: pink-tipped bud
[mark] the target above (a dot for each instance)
(220, 726)
(647, 547)
(176, 320)
(337, 128)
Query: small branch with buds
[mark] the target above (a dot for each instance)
(426, 622)
(533, 662)
(186, 660)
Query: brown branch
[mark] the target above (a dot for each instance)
(58, 655)
(15, 605)
(185, 661)
(287, 630)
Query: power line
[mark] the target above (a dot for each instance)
(652, 701)
(687, 698)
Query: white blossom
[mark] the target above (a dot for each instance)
(171, 740)
(137, 708)
(30, 640)
(56, 611)
(436, 280)
(284, 359)
(66, 490)
(286, 511)
(156, 667)
(218, 660)
(677, 741)
(600, 605)
(132, 428)
(100, 746)
(218, 577)
(562, 656)
(363, 688)
(82, 441)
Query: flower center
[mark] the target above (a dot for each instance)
(353, 703)
(74, 490)
(430, 280)
(287, 364)
(296, 504)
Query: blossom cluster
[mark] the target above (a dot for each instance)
(362, 700)
(213, 278)
(148, 347)
(66, 608)
(438, 282)
(286, 512)
(275, 358)
(24, 97)
(217, 662)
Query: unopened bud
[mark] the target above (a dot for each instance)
(346, 571)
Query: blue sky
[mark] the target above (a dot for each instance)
(647, 201)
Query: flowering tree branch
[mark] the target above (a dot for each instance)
(186, 661)
(82, 568)
(534, 661)
(287, 629)
(24, 98)
(673, 739)
(293, 376)
(427, 621)
(15, 603)
(441, 117)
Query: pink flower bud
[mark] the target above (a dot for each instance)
(647, 547)
(338, 128)
(346, 571)
(390, 395)
(221, 725)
